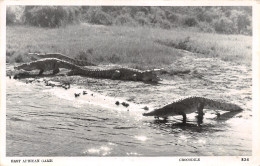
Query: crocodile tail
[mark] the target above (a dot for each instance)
(222, 105)
(148, 114)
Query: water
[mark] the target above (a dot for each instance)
(45, 121)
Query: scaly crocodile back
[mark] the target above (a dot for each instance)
(220, 105)
(47, 64)
(190, 104)
(118, 73)
(64, 58)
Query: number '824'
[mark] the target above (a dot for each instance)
(244, 159)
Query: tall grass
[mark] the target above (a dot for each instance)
(137, 46)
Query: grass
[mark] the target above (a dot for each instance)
(138, 47)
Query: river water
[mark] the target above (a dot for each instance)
(46, 121)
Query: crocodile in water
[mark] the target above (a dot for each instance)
(190, 105)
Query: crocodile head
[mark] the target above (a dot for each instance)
(26, 66)
(150, 76)
(159, 113)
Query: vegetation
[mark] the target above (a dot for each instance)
(222, 19)
(139, 36)
(139, 47)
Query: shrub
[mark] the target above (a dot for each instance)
(206, 27)
(50, 16)
(10, 16)
(173, 17)
(240, 20)
(223, 25)
(19, 59)
(156, 16)
(183, 44)
(165, 24)
(125, 19)
(141, 18)
(100, 58)
(158, 12)
(97, 16)
(209, 14)
(9, 52)
(190, 21)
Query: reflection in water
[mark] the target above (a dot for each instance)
(41, 123)
(102, 151)
(141, 138)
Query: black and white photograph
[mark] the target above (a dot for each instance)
(127, 81)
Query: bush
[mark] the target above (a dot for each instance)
(141, 18)
(183, 44)
(19, 59)
(125, 19)
(206, 27)
(165, 24)
(10, 16)
(190, 21)
(173, 17)
(50, 16)
(209, 14)
(9, 52)
(223, 25)
(102, 18)
(241, 21)
(97, 16)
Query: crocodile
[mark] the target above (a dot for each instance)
(63, 57)
(47, 64)
(192, 104)
(118, 73)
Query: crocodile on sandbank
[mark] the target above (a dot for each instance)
(190, 105)
(118, 73)
(63, 57)
(46, 65)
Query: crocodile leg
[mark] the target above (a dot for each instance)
(184, 117)
(56, 68)
(218, 115)
(200, 113)
(134, 77)
(165, 118)
(116, 75)
(41, 71)
(55, 71)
